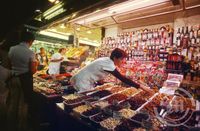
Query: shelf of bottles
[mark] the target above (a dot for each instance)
(141, 45)
(188, 36)
(188, 41)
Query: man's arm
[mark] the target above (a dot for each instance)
(33, 66)
(57, 60)
(127, 81)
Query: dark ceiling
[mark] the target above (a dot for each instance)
(15, 13)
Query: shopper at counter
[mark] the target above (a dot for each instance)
(42, 59)
(56, 59)
(24, 65)
(85, 79)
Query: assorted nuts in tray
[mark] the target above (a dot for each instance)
(120, 108)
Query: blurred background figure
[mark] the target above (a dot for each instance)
(55, 62)
(42, 59)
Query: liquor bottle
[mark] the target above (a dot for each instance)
(191, 32)
(157, 33)
(193, 40)
(178, 33)
(182, 33)
(185, 39)
(198, 32)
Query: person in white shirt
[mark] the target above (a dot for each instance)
(55, 61)
(86, 78)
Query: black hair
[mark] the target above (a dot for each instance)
(61, 49)
(41, 48)
(27, 36)
(118, 53)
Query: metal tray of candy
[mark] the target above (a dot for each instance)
(134, 102)
(106, 112)
(69, 105)
(73, 100)
(100, 94)
(110, 123)
(79, 110)
(97, 118)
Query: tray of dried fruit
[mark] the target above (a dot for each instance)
(140, 124)
(154, 102)
(128, 125)
(129, 92)
(110, 123)
(73, 100)
(100, 94)
(140, 119)
(106, 110)
(97, 107)
(97, 118)
(134, 102)
(104, 86)
(115, 98)
(85, 107)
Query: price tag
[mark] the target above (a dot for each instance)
(115, 102)
(127, 105)
(147, 124)
(96, 98)
(117, 115)
(98, 108)
(87, 103)
(108, 111)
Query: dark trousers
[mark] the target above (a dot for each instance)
(26, 81)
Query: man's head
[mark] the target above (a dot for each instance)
(118, 55)
(62, 51)
(42, 50)
(27, 37)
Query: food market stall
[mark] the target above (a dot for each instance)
(155, 49)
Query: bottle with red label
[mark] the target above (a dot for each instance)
(185, 40)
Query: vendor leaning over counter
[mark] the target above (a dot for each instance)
(85, 79)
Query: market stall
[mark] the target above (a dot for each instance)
(158, 42)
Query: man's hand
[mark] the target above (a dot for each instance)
(147, 89)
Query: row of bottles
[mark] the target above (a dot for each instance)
(162, 36)
(133, 54)
(146, 44)
(188, 36)
(140, 44)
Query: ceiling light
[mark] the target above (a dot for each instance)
(86, 38)
(62, 26)
(53, 29)
(57, 12)
(57, 1)
(88, 42)
(54, 34)
(52, 1)
(89, 32)
(133, 5)
(118, 9)
(74, 15)
(53, 9)
(68, 33)
(38, 11)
